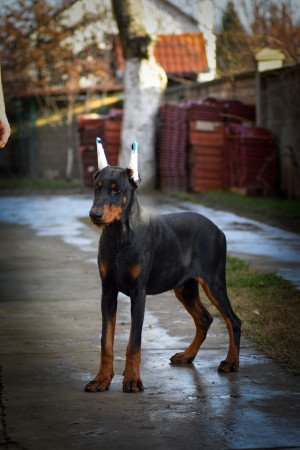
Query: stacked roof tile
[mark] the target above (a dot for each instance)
(252, 156)
(172, 145)
(206, 156)
(89, 127)
(201, 145)
(208, 140)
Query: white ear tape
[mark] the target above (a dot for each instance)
(133, 163)
(102, 161)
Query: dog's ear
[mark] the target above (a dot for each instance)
(133, 182)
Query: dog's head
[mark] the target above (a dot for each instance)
(113, 188)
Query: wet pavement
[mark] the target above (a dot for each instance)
(50, 331)
(268, 248)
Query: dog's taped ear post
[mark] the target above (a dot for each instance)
(102, 161)
(133, 165)
(142, 254)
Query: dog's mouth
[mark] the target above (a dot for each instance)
(100, 223)
(97, 223)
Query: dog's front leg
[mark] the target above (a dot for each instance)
(132, 380)
(109, 310)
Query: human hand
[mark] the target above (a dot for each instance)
(4, 129)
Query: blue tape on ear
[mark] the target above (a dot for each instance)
(134, 146)
(98, 140)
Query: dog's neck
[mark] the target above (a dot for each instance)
(121, 231)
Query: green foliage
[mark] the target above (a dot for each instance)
(240, 276)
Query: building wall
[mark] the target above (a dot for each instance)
(280, 112)
(52, 157)
(161, 17)
(241, 87)
(206, 21)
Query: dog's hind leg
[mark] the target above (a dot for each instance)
(217, 293)
(188, 295)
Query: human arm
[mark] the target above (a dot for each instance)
(4, 124)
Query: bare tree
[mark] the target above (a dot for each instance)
(270, 24)
(39, 58)
(276, 25)
(144, 83)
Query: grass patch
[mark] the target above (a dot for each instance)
(278, 212)
(270, 310)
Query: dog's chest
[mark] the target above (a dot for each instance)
(124, 268)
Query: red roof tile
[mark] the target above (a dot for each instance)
(178, 54)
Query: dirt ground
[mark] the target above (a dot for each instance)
(50, 327)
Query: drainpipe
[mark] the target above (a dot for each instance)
(258, 98)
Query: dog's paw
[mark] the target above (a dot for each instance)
(99, 384)
(181, 358)
(227, 367)
(132, 385)
(95, 386)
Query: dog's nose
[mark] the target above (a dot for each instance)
(96, 215)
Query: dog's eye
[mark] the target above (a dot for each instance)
(116, 190)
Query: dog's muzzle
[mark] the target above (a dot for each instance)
(96, 216)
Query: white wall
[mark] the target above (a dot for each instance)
(162, 18)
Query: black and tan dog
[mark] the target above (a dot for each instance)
(142, 254)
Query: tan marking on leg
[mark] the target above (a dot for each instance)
(106, 372)
(103, 268)
(132, 380)
(191, 351)
(132, 366)
(107, 353)
(233, 354)
(135, 270)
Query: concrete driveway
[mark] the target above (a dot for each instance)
(49, 332)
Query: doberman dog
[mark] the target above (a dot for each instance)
(142, 254)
